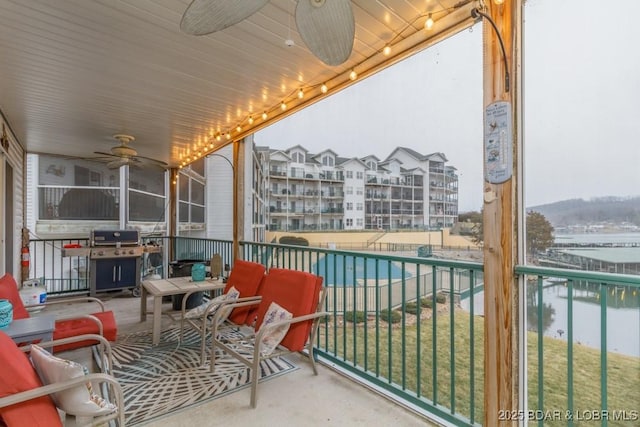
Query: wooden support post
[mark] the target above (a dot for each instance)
(500, 217)
(238, 171)
(173, 211)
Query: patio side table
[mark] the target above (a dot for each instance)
(31, 329)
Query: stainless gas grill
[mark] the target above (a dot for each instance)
(115, 257)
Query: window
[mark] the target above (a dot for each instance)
(349, 222)
(349, 206)
(349, 174)
(359, 222)
(327, 161)
(147, 198)
(190, 197)
(297, 157)
(359, 206)
(76, 189)
(359, 191)
(372, 165)
(360, 175)
(349, 190)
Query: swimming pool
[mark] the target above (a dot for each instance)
(345, 270)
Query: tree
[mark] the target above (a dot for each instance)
(539, 233)
(473, 217)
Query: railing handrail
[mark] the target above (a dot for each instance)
(609, 278)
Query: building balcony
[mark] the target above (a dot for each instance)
(278, 173)
(376, 335)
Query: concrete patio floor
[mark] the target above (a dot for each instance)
(296, 399)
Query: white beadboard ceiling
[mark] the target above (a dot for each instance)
(75, 72)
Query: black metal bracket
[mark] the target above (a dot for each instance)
(478, 14)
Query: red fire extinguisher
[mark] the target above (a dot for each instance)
(25, 256)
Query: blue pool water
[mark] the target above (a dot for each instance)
(344, 270)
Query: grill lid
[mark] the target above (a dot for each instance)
(115, 238)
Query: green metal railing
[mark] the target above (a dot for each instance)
(572, 382)
(387, 329)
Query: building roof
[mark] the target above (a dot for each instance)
(609, 255)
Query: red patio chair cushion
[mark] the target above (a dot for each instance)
(9, 290)
(63, 328)
(17, 375)
(298, 293)
(81, 326)
(246, 277)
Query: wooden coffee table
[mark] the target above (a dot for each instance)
(166, 287)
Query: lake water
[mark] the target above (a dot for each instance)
(623, 315)
(623, 305)
(606, 238)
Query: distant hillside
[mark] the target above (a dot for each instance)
(598, 210)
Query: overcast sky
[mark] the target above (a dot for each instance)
(582, 106)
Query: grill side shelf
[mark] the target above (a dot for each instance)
(75, 252)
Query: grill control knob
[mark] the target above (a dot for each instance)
(100, 253)
(131, 251)
(117, 252)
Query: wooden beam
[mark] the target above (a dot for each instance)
(238, 171)
(500, 216)
(173, 211)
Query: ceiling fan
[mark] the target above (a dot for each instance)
(326, 26)
(123, 154)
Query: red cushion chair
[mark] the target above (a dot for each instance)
(300, 297)
(64, 328)
(17, 375)
(246, 277)
(298, 293)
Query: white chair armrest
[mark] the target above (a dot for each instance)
(70, 301)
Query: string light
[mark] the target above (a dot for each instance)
(428, 23)
(353, 75)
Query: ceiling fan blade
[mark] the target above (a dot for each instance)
(102, 153)
(208, 16)
(148, 166)
(327, 28)
(150, 161)
(117, 163)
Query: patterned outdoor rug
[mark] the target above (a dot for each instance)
(161, 380)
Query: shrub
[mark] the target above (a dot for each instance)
(355, 316)
(426, 302)
(391, 316)
(294, 240)
(411, 307)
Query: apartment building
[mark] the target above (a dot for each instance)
(323, 191)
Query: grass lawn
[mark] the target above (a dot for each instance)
(457, 377)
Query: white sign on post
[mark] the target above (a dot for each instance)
(498, 154)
